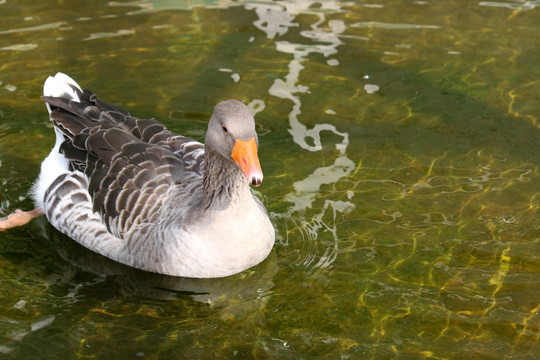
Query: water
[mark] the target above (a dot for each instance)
(399, 141)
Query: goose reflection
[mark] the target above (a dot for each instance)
(253, 284)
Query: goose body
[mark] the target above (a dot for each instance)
(131, 190)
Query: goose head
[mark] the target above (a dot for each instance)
(231, 133)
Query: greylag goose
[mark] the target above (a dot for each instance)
(133, 191)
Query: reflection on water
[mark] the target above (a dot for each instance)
(374, 24)
(132, 282)
(400, 152)
(516, 5)
(276, 20)
(151, 6)
(49, 26)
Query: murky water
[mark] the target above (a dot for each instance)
(400, 144)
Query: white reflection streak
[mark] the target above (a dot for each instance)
(518, 5)
(276, 19)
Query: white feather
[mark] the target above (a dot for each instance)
(55, 164)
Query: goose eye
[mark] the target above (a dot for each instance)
(224, 128)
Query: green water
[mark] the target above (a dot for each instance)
(400, 144)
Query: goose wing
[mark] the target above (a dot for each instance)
(132, 164)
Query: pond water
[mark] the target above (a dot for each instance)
(400, 143)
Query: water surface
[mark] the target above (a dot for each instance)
(399, 141)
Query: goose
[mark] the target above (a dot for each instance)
(131, 190)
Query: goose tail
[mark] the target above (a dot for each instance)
(55, 164)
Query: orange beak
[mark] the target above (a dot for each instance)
(244, 153)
